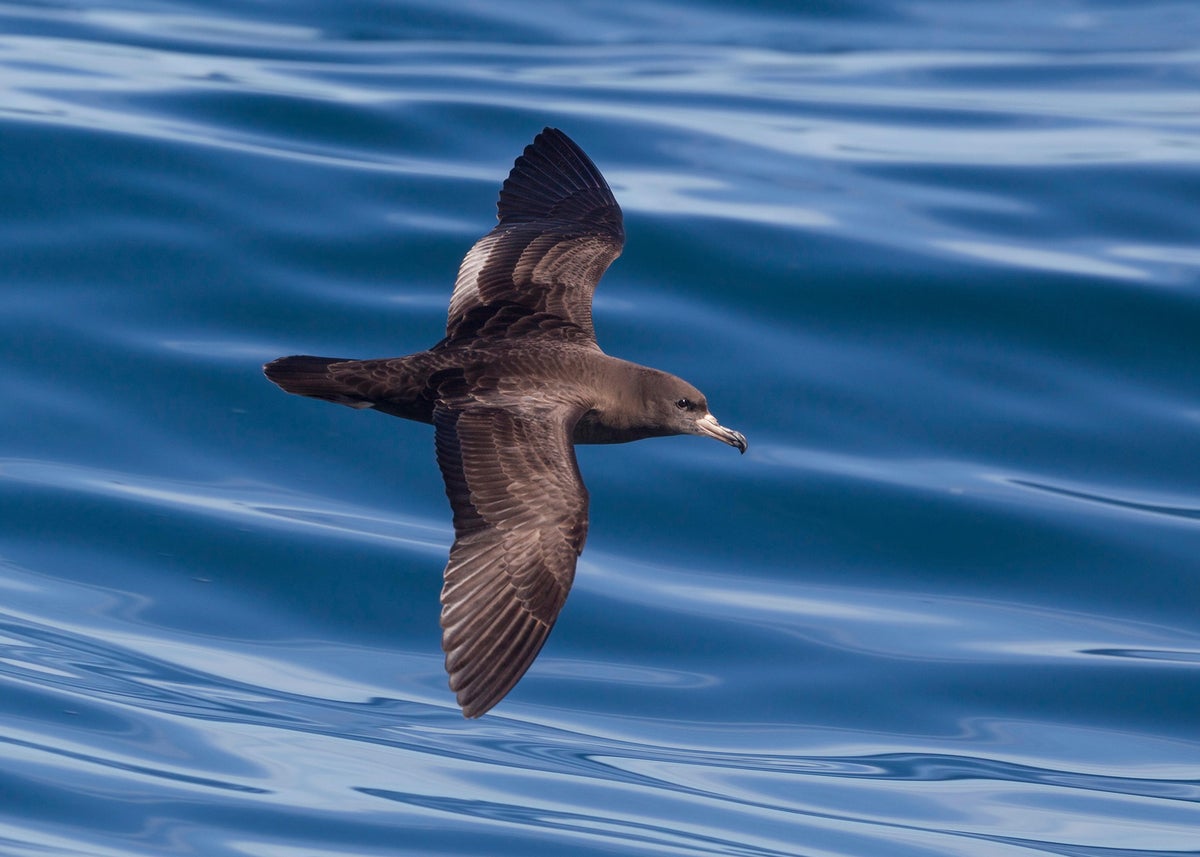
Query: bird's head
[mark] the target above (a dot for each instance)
(679, 408)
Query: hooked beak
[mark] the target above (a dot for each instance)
(708, 426)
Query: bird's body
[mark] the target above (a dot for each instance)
(517, 381)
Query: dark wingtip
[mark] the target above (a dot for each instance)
(554, 179)
(473, 712)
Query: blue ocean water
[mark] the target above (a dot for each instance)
(939, 261)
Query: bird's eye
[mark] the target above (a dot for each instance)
(683, 404)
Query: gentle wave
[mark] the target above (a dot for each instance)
(934, 259)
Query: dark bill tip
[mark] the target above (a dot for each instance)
(709, 427)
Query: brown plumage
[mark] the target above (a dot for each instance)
(517, 381)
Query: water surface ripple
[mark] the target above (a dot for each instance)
(937, 260)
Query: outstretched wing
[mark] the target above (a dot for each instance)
(520, 521)
(560, 228)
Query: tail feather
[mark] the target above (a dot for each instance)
(306, 375)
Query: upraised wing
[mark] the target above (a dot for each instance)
(560, 228)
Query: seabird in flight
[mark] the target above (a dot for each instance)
(517, 381)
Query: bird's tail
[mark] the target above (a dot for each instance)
(306, 375)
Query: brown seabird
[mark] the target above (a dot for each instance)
(516, 382)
